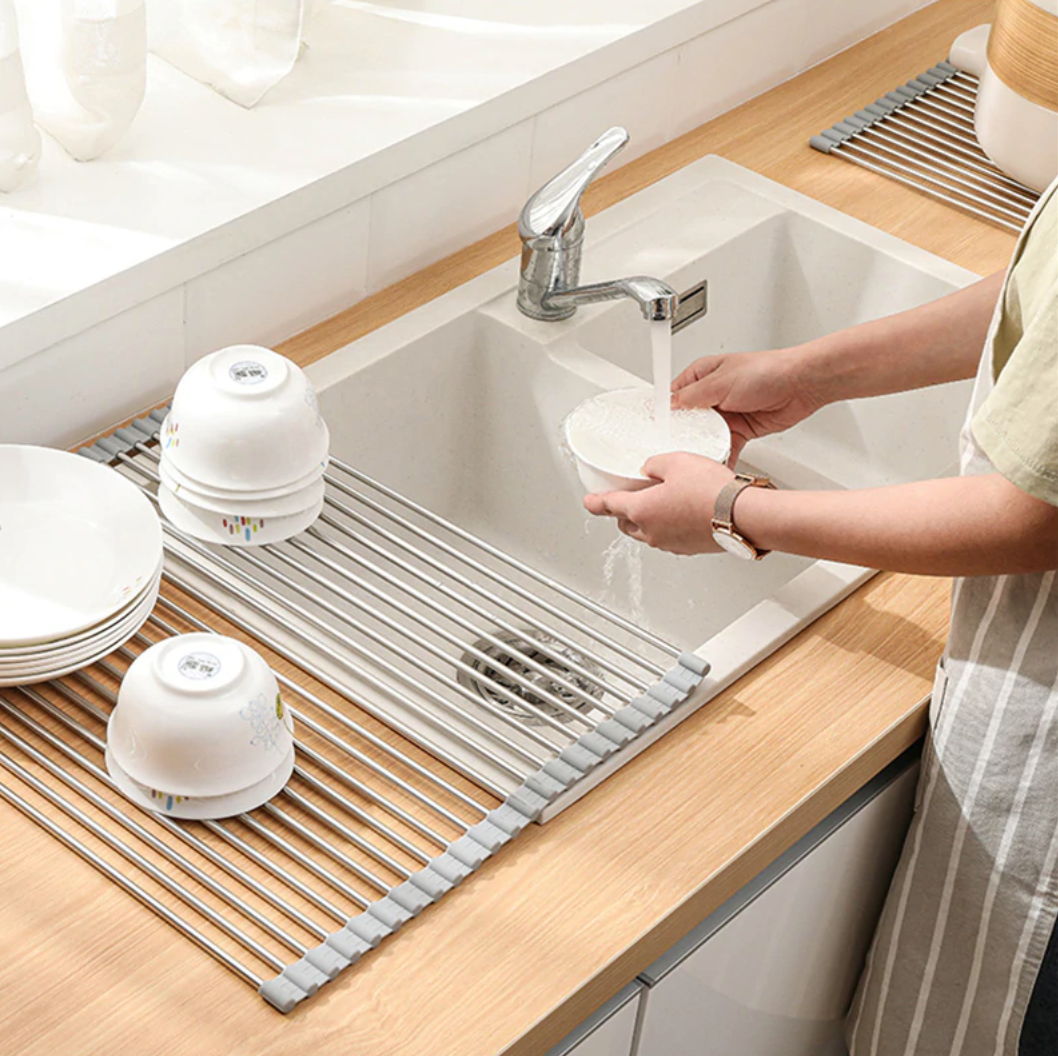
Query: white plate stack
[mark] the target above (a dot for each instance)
(80, 563)
(244, 450)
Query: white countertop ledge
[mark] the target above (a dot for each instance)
(384, 90)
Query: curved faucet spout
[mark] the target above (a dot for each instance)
(657, 300)
(551, 227)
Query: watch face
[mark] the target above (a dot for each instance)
(733, 545)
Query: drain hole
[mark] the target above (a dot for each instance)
(511, 658)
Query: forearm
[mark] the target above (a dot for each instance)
(959, 526)
(934, 343)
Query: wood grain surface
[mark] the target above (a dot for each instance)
(564, 917)
(1023, 51)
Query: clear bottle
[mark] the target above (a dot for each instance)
(19, 138)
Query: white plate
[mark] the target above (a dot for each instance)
(102, 651)
(10, 654)
(119, 633)
(77, 543)
(63, 654)
(202, 808)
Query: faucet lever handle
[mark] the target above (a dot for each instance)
(554, 208)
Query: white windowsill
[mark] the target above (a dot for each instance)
(386, 89)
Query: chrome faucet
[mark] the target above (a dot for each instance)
(551, 227)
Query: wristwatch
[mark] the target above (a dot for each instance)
(724, 532)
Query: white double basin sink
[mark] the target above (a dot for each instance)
(459, 404)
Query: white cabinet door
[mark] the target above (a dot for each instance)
(610, 1032)
(777, 977)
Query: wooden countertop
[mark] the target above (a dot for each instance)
(572, 911)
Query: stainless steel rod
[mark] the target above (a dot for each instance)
(930, 163)
(216, 827)
(565, 591)
(420, 665)
(953, 98)
(433, 650)
(951, 109)
(946, 114)
(355, 727)
(951, 128)
(159, 846)
(905, 132)
(67, 720)
(105, 692)
(909, 123)
(375, 797)
(965, 148)
(542, 645)
(394, 838)
(345, 692)
(364, 845)
(305, 861)
(328, 848)
(358, 671)
(344, 746)
(526, 570)
(168, 824)
(116, 673)
(131, 887)
(863, 163)
(281, 874)
(61, 686)
(385, 665)
(966, 81)
(480, 590)
(937, 180)
(309, 836)
(343, 830)
(505, 582)
(187, 897)
(154, 478)
(957, 91)
(511, 649)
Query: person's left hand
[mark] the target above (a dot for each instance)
(674, 514)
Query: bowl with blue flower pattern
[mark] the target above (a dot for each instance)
(200, 729)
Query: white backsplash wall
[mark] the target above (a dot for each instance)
(111, 369)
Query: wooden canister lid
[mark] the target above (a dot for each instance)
(1023, 49)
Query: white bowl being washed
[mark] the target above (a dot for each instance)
(604, 464)
(200, 725)
(245, 419)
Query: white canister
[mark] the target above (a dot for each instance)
(1016, 114)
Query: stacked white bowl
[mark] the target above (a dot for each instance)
(200, 729)
(80, 562)
(244, 449)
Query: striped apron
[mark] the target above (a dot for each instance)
(975, 896)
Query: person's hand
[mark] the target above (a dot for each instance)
(757, 392)
(674, 514)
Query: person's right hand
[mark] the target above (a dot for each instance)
(757, 392)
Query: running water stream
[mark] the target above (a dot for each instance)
(661, 347)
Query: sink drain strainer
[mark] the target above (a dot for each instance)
(554, 657)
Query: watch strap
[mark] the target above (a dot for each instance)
(724, 508)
